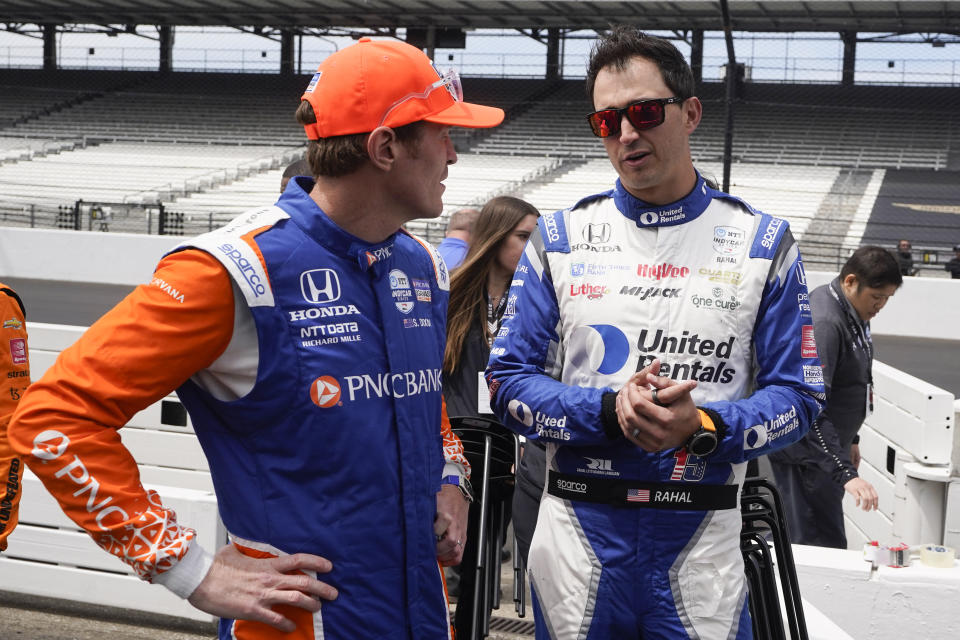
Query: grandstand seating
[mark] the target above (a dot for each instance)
(127, 172)
(208, 145)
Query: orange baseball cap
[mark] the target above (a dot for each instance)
(387, 83)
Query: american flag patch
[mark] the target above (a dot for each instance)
(638, 495)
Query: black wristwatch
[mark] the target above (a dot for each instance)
(462, 483)
(703, 442)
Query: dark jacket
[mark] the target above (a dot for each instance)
(846, 353)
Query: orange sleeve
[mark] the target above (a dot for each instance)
(452, 447)
(14, 379)
(138, 352)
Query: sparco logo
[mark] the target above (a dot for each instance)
(771, 233)
(569, 485)
(49, 445)
(550, 224)
(247, 270)
(320, 286)
(596, 233)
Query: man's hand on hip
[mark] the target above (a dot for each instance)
(863, 492)
(450, 525)
(240, 587)
(657, 413)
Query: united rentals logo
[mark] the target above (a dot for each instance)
(320, 286)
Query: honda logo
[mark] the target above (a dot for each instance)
(320, 286)
(596, 233)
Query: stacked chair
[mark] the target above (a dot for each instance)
(764, 526)
(493, 453)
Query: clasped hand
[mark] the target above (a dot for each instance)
(657, 423)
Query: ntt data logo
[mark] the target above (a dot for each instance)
(521, 412)
(325, 392)
(49, 445)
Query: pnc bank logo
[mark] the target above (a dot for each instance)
(49, 445)
(320, 286)
(325, 392)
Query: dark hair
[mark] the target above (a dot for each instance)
(874, 267)
(468, 282)
(297, 168)
(623, 43)
(342, 155)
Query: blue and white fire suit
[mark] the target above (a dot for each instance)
(717, 292)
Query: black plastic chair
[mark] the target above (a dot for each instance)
(493, 453)
(764, 525)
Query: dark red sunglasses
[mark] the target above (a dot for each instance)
(642, 114)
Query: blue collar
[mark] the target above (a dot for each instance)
(305, 213)
(666, 215)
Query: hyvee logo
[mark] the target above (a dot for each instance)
(320, 286)
(662, 270)
(596, 233)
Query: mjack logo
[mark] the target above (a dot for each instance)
(247, 270)
(642, 293)
(320, 286)
(51, 445)
(596, 233)
(325, 392)
(760, 434)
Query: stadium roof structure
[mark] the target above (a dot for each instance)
(907, 16)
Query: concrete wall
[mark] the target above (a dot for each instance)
(81, 256)
(921, 308)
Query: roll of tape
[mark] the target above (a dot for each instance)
(870, 551)
(934, 555)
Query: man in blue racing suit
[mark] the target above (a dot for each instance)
(638, 529)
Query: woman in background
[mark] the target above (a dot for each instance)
(478, 298)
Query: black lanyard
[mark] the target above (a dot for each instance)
(860, 330)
